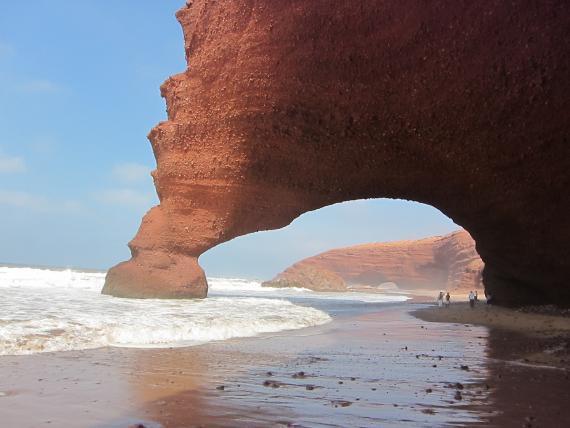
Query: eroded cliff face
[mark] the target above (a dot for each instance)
(439, 263)
(291, 105)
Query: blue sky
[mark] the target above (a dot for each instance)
(79, 91)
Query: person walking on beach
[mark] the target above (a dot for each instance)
(447, 300)
(440, 299)
(471, 299)
(476, 297)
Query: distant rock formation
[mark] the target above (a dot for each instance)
(438, 263)
(307, 274)
(288, 106)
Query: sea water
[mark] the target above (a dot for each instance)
(48, 310)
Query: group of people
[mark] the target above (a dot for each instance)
(444, 299)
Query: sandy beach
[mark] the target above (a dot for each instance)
(382, 367)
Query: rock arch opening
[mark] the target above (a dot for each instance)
(365, 245)
(457, 106)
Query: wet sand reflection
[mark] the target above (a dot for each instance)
(378, 369)
(523, 394)
(386, 368)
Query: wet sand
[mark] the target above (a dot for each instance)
(380, 368)
(528, 355)
(535, 338)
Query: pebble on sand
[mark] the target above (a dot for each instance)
(341, 403)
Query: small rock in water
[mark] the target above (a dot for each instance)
(299, 375)
(341, 403)
(429, 390)
(309, 387)
(459, 385)
(428, 411)
(269, 373)
(466, 368)
(271, 383)
(458, 395)
(220, 387)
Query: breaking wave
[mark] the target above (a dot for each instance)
(44, 310)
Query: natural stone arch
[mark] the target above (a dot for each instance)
(288, 106)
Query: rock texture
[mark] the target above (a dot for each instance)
(290, 105)
(439, 263)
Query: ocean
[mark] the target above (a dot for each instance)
(50, 310)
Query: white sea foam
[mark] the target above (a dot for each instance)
(43, 310)
(48, 310)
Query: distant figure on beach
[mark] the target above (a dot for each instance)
(471, 299)
(476, 297)
(440, 299)
(447, 300)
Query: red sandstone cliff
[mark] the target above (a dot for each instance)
(439, 263)
(291, 105)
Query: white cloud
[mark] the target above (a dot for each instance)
(38, 86)
(43, 144)
(126, 197)
(22, 199)
(70, 206)
(30, 201)
(11, 164)
(131, 172)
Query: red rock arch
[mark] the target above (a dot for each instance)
(288, 106)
